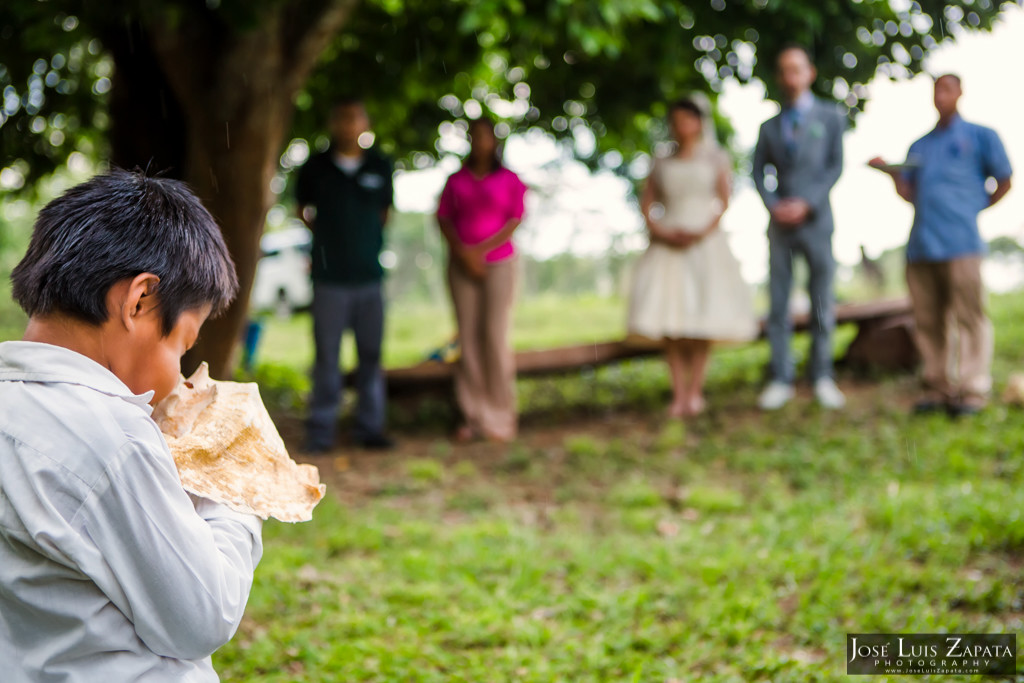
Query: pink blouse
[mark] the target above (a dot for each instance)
(480, 207)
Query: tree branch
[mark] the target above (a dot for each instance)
(306, 29)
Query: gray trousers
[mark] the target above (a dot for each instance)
(816, 248)
(337, 308)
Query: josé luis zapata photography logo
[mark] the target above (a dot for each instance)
(931, 653)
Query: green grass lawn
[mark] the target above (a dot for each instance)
(742, 547)
(286, 354)
(412, 331)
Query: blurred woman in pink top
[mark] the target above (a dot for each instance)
(481, 206)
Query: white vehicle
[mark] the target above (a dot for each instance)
(282, 283)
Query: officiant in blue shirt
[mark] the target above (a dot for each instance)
(946, 178)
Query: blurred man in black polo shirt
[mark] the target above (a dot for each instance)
(344, 195)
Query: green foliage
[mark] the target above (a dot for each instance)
(605, 66)
(17, 214)
(15, 227)
(283, 387)
(12, 319)
(1004, 244)
(418, 275)
(55, 77)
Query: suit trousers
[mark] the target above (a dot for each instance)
(337, 308)
(947, 295)
(816, 248)
(485, 378)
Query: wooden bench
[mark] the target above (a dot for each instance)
(883, 341)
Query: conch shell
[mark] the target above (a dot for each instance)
(227, 449)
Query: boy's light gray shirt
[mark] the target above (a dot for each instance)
(109, 571)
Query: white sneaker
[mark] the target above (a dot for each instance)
(828, 394)
(775, 395)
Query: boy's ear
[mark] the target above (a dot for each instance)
(139, 298)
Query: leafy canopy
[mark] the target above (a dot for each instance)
(598, 71)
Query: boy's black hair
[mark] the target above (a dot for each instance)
(955, 78)
(113, 227)
(686, 104)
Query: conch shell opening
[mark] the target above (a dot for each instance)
(227, 449)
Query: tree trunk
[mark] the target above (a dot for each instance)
(233, 180)
(236, 89)
(147, 127)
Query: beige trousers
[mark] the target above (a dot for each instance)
(485, 379)
(945, 295)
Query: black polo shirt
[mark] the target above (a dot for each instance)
(348, 234)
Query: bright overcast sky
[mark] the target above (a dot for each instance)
(867, 209)
(590, 209)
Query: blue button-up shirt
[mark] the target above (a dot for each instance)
(948, 169)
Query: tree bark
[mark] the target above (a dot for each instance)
(233, 180)
(147, 127)
(235, 87)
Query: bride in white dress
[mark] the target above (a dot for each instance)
(687, 289)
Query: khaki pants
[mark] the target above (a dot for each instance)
(485, 379)
(944, 294)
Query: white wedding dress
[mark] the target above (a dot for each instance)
(694, 293)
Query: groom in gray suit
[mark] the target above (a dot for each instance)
(798, 158)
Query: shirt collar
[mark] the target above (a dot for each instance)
(801, 105)
(22, 361)
(954, 121)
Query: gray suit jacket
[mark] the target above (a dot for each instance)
(810, 170)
